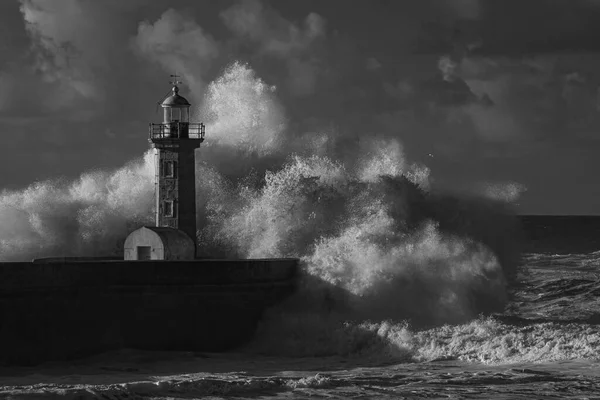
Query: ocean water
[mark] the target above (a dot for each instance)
(407, 291)
(544, 344)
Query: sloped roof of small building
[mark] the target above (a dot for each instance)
(171, 240)
(171, 236)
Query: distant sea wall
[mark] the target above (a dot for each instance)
(63, 309)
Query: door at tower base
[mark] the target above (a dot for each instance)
(159, 243)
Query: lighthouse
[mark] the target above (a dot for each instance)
(174, 141)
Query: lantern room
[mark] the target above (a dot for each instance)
(176, 108)
(176, 119)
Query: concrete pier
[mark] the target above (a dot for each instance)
(61, 309)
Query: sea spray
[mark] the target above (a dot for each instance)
(484, 340)
(87, 217)
(377, 258)
(242, 112)
(371, 249)
(375, 241)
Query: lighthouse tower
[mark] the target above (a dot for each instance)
(174, 140)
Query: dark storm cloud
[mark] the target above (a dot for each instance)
(514, 28)
(538, 26)
(179, 45)
(525, 61)
(273, 35)
(73, 64)
(444, 92)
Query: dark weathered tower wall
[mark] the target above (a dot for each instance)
(180, 188)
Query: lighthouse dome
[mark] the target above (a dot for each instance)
(175, 100)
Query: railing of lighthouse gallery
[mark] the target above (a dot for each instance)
(177, 130)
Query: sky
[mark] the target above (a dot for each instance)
(499, 95)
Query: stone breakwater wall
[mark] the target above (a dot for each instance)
(63, 309)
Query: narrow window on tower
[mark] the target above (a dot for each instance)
(169, 208)
(169, 168)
